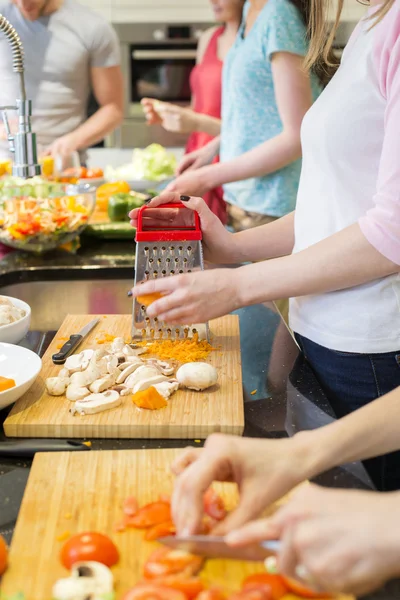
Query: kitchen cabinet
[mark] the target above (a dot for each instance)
(179, 11)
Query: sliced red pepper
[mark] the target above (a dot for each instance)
(160, 530)
(150, 515)
(214, 505)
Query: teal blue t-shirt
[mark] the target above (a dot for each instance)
(249, 111)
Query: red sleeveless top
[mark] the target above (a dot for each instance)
(206, 87)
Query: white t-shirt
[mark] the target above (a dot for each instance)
(350, 174)
(59, 51)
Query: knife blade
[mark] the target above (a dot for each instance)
(74, 341)
(216, 547)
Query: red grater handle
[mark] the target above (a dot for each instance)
(185, 233)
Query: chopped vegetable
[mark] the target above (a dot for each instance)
(148, 299)
(154, 163)
(161, 530)
(105, 191)
(6, 384)
(3, 555)
(63, 536)
(184, 351)
(214, 505)
(90, 546)
(107, 338)
(300, 589)
(274, 584)
(152, 591)
(150, 399)
(150, 515)
(165, 562)
(130, 506)
(119, 205)
(190, 586)
(253, 392)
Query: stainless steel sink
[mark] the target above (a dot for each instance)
(51, 301)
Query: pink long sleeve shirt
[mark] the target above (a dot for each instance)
(351, 174)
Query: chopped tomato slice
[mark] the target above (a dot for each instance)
(3, 555)
(208, 525)
(190, 586)
(214, 505)
(150, 515)
(165, 562)
(130, 506)
(273, 583)
(300, 589)
(263, 593)
(160, 530)
(151, 591)
(211, 594)
(90, 546)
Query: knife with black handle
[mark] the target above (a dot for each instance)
(72, 344)
(28, 448)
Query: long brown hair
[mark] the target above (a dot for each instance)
(320, 56)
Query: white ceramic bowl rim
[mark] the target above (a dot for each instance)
(19, 304)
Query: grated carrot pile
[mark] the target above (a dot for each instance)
(184, 351)
(105, 339)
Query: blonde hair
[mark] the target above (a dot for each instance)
(321, 38)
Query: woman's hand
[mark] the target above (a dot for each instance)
(218, 243)
(64, 146)
(347, 541)
(172, 117)
(195, 181)
(264, 471)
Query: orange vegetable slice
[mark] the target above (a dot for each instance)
(6, 384)
(148, 299)
(151, 515)
(214, 505)
(165, 562)
(149, 399)
(160, 530)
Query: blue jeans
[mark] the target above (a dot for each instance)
(351, 381)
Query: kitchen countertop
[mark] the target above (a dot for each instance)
(287, 399)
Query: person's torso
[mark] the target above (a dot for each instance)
(57, 67)
(250, 114)
(206, 87)
(342, 137)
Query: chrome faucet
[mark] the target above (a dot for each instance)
(23, 143)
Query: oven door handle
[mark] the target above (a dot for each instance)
(163, 54)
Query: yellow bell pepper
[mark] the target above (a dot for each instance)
(105, 191)
(5, 168)
(47, 163)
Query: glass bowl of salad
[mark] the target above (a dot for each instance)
(37, 216)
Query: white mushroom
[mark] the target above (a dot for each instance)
(144, 384)
(100, 385)
(166, 388)
(64, 373)
(129, 369)
(129, 351)
(130, 360)
(89, 375)
(143, 372)
(117, 345)
(56, 386)
(166, 368)
(112, 363)
(76, 392)
(88, 581)
(96, 403)
(79, 362)
(122, 389)
(197, 375)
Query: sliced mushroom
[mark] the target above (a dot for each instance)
(104, 383)
(129, 351)
(79, 362)
(76, 392)
(56, 386)
(144, 384)
(64, 373)
(90, 374)
(88, 581)
(131, 368)
(117, 345)
(130, 360)
(167, 388)
(166, 368)
(112, 363)
(96, 403)
(143, 372)
(122, 389)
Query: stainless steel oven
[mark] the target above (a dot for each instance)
(157, 60)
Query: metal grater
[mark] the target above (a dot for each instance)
(166, 247)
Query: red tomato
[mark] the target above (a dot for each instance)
(130, 506)
(212, 594)
(151, 591)
(262, 593)
(298, 588)
(94, 174)
(165, 562)
(3, 555)
(214, 505)
(161, 530)
(192, 587)
(150, 515)
(274, 583)
(79, 173)
(89, 546)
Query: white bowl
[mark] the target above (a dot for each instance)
(15, 332)
(19, 364)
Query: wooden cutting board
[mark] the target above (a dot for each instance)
(189, 415)
(69, 492)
